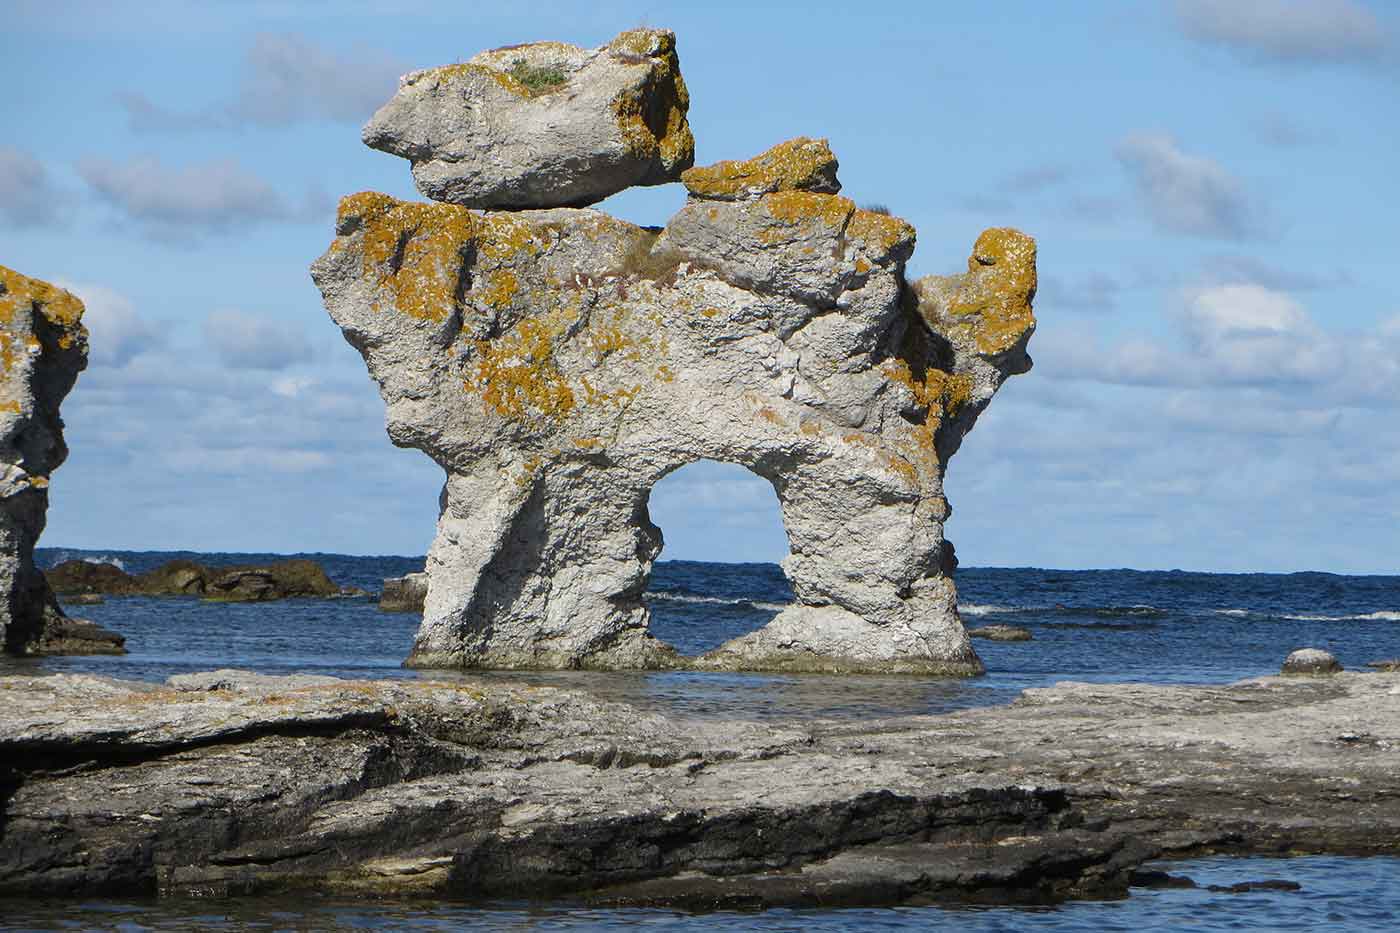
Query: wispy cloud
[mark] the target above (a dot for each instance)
(286, 79)
(247, 341)
(1286, 31)
(118, 332)
(1186, 193)
(210, 197)
(28, 196)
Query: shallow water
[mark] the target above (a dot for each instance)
(1336, 893)
(1087, 625)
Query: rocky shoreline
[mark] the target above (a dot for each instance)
(229, 783)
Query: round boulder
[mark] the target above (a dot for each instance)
(1311, 661)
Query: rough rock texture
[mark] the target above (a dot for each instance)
(542, 125)
(559, 363)
(1311, 661)
(279, 580)
(404, 594)
(43, 347)
(229, 783)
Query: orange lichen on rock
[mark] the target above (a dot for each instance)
(796, 207)
(415, 252)
(800, 164)
(881, 235)
(646, 127)
(1000, 286)
(60, 308)
(516, 374)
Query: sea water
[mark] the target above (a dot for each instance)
(1095, 625)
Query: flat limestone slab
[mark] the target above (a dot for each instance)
(232, 783)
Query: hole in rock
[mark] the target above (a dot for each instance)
(651, 206)
(717, 576)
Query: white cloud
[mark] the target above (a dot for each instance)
(166, 202)
(286, 79)
(1285, 31)
(245, 341)
(28, 198)
(1224, 312)
(117, 332)
(1186, 193)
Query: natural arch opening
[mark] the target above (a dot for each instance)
(717, 576)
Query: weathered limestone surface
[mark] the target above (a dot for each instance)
(231, 783)
(543, 125)
(43, 347)
(558, 363)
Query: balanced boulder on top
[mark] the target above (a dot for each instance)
(542, 125)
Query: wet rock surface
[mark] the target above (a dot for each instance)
(231, 783)
(1001, 633)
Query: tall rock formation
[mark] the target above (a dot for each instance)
(558, 362)
(43, 347)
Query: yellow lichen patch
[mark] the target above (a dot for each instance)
(651, 115)
(939, 391)
(771, 416)
(798, 164)
(587, 443)
(505, 79)
(999, 289)
(21, 293)
(800, 206)
(880, 234)
(516, 374)
(500, 289)
(644, 43)
(811, 427)
(11, 406)
(412, 250)
(709, 312)
(39, 482)
(665, 374)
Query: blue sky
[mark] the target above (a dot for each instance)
(1212, 184)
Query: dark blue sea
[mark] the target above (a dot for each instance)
(1090, 625)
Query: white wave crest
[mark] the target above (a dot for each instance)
(1234, 613)
(717, 601)
(1381, 616)
(974, 609)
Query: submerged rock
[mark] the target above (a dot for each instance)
(1001, 633)
(1311, 661)
(558, 363)
(43, 347)
(404, 594)
(542, 125)
(235, 784)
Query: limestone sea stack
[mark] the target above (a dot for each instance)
(43, 347)
(558, 363)
(542, 125)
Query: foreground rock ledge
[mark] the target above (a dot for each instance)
(232, 784)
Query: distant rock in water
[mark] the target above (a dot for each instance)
(1391, 665)
(542, 125)
(558, 363)
(1001, 633)
(86, 599)
(281, 580)
(43, 347)
(82, 577)
(1311, 661)
(404, 594)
